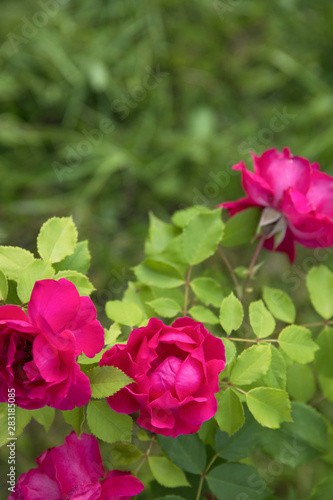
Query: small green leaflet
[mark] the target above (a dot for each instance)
(166, 473)
(301, 382)
(297, 343)
(37, 270)
(276, 376)
(160, 233)
(269, 406)
(261, 320)
(108, 425)
(280, 304)
(3, 286)
(187, 452)
(230, 351)
(81, 282)
(57, 239)
(160, 274)
(230, 413)
(106, 380)
(231, 313)
(124, 454)
(124, 313)
(241, 227)
(203, 314)
(251, 365)
(324, 356)
(202, 235)
(13, 260)
(208, 290)
(320, 285)
(236, 481)
(167, 308)
(182, 217)
(44, 416)
(78, 261)
(75, 418)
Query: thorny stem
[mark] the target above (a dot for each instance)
(231, 271)
(187, 289)
(252, 264)
(146, 455)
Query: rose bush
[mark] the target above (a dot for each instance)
(38, 350)
(75, 470)
(175, 371)
(298, 199)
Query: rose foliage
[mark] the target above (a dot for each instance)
(205, 384)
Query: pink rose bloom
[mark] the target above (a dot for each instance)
(175, 371)
(38, 350)
(297, 199)
(74, 471)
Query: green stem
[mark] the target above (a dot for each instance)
(253, 341)
(203, 475)
(187, 289)
(231, 271)
(252, 264)
(146, 455)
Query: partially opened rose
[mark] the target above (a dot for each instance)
(75, 470)
(296, 197)
(175, 371)
(38, 350)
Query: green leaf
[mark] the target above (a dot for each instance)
(106, 380)
(242, 443)
(125, 313)
(269, 406)
(202, 235)
(23, 418)
(208, 290)
(230, 351)
(230, 412)
(236, 481)
(13, 260)
(108, 425)
(112, 334)
(301, 382)
(241, 227)
(207, 432)
(231, 313)
(78, 261)
(57, 239)
(326, 385)
(167, 308)
(301, 441)
(323, 490)
(251, 364)
(3, 286)
(187, 452)
(75, 418)
(160, 234)
(204, 315)
(297, 343)
(276, 376)
(261, 320)
(166, 473)
(324, 356)
(37, 270)
(280, 304)
(44, 416)
(159, 274)
(182, 217)
(124, 454)
(81, 282)
(320, 285)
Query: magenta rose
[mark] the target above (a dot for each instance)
(72, 471)
(296, 197)
(38, 351)
(175, 371)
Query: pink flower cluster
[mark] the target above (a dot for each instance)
(75, 471)
(38, 351)
(175, 371)
(297, 197)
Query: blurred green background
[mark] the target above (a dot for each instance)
(110, 109)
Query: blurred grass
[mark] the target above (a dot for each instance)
(223, 72)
